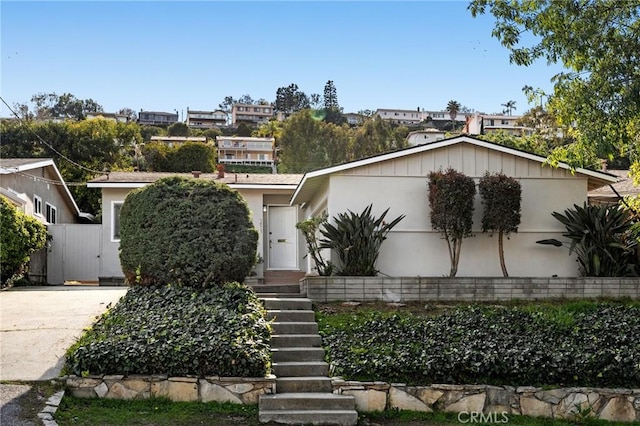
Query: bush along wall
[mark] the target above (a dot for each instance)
(177, 331)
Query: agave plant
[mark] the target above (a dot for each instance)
(356, 239)
(601, 238)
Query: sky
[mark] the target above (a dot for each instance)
(166, 55)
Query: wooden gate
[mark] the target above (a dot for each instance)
(74, 253)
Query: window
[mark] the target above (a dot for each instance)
(115, 220)
(37, 205)
(505, 122)
(51, 213)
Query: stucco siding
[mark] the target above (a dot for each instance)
(109, 256)
(414, 248)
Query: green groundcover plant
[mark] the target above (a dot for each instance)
(596, 345)
(178, 331)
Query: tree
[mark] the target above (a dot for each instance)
(65, 106)
(332, 111)
(21, 236)
(598, 43)
(301, 145)
(290, 99)
(132, 116)
(147, 131)
(501, 197)
(509, 107)
(376, 136)
(243, 130)
(246, 99)
(451, 195)
(453, 107)
(227, 103)
(178, 129)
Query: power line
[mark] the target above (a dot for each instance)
(64, 157)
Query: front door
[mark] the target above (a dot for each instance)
(283, 245)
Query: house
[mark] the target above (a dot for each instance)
(480, 124)
(398, 180)
(248, 151)
(425, 136)
(250, 114)
(616, 192)
(36, 188)
(407, 117)
(155, 118)
(267, 196)
(206, 119)
(441, 119)
(111, 116)
(178, 140)
(354, 119)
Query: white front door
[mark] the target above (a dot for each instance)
(282, 238)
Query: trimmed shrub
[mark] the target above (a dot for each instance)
(178, 331)
(186, 231)
(20, 236)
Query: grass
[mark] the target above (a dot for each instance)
(156, 412)
(34, 400)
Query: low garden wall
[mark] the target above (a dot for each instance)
(425, 289)
(238, 390)
(495, 403)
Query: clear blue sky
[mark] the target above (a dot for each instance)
(165, 55)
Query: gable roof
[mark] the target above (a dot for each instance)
(315, 179)
(624, 187)
(22, 166)
(234, 180)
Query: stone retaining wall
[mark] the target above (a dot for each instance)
(424, 289)
(496, 401)
(221, 389)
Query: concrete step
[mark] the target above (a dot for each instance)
(300, 368)
(310, 417)
(291, 316)
(294, 327)
(276, 288)
(297, 354)
(283, 277)
(287, 303)
(307, 401)
(303, 384)
(296, 341)
(275, 295)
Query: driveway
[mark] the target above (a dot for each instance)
(38, 324)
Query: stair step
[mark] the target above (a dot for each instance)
(287, 303)
(291, 315)
(297, 354)
(296, 341)
(296, 295)
(303, 384)
(307, 401)
(310, 417)
(300, 368)
(295, 327)
(277, 288)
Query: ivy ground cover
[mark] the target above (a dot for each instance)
(575, 344)
(177, 331)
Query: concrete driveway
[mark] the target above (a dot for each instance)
(38, 324)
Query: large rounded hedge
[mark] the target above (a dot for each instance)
(186, 231)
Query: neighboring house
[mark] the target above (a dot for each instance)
(246, 151)
(614, 193)
(425, 136)
(407, 117)
(178, 140)
(267, 196)
(155, 118)
(35, 187)
(398, 180)
(112, 116)
(206, 119)
(480, 124)
(354, 119)
(250, 114)
(442, 118)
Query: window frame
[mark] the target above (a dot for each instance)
(51, 212)
(37, 205)
(114, 238)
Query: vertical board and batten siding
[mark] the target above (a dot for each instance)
(414, 248)
(74, 254)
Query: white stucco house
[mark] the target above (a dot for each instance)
(395, 180)
(398, 180)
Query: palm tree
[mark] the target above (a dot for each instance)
(509, 106)
(452, 108)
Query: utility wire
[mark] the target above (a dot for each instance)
(64, 157)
